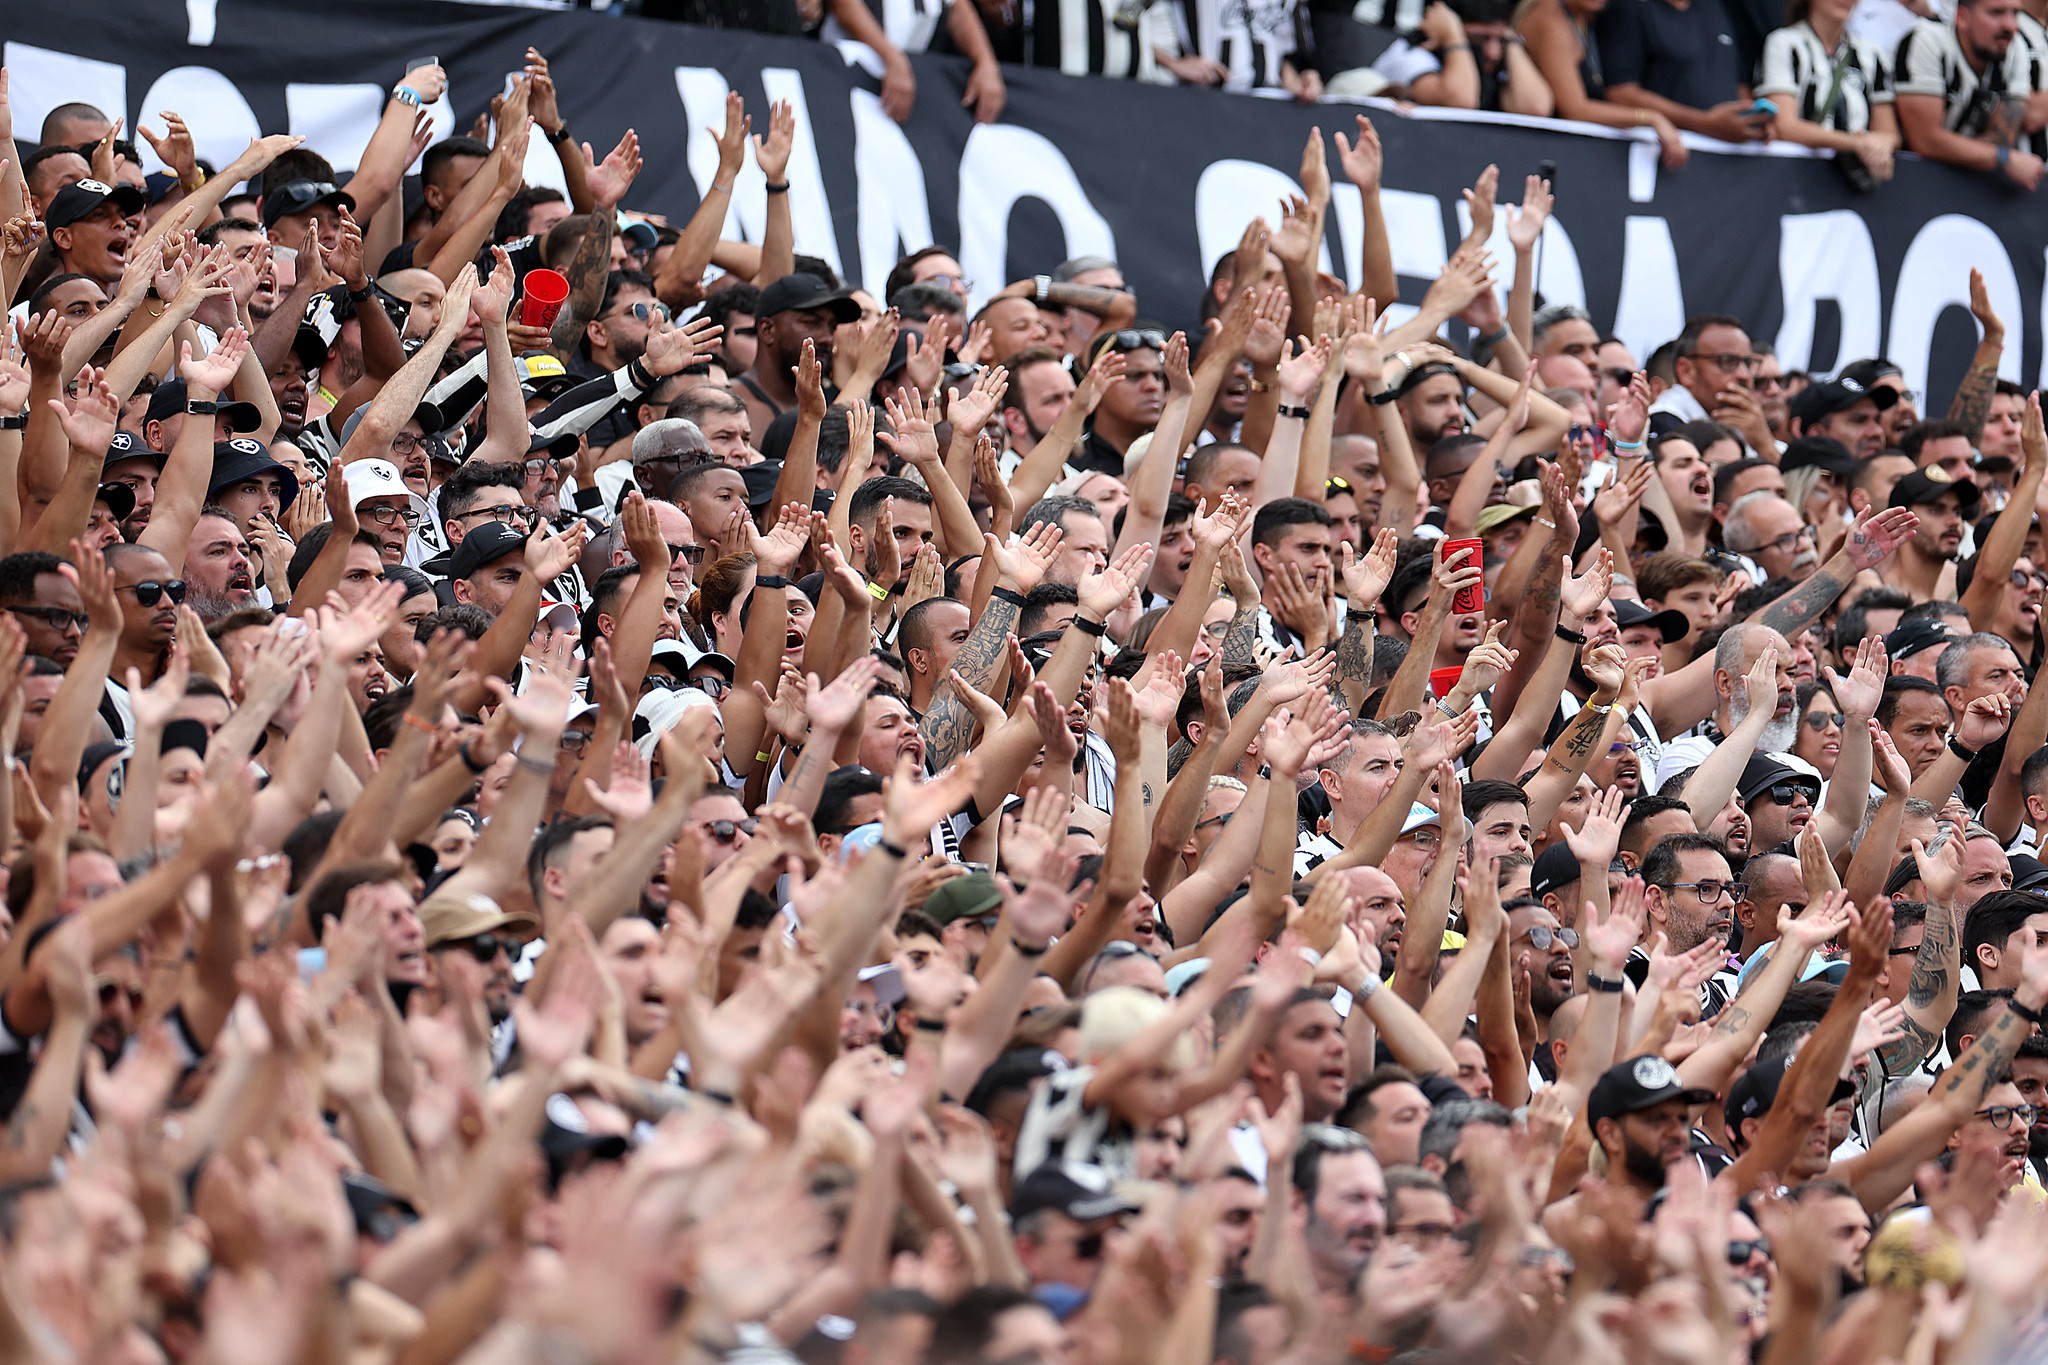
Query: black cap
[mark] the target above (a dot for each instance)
(1081, 1192)
(1816, 402)
(1762, 771)
(126, 445)
(562, 1146)
(1913, 636)
(2028, 873)
(245, 457)
(1753, 1094)
(1824, 451)
(296, 196)
(1672, 625)
(1867, 372)
(1923, 486)
(804, 291)
(119, 498)
(761, 479)
(1556, 868)
(491, 541)
(82, 197)
(1637, 1084)
(184, 734)
(378, 1210)
(169, 401)
(94, 756)
(1016, 1069)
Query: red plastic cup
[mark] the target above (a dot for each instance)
(1442, 680)
(546, 292)
(1467, 600)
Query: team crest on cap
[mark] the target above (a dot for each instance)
(95, 186)
(1653, 1073)
(242, 445)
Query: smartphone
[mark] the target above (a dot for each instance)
(1763, 108)
(415, 63)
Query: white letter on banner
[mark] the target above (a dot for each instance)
(895, 217)
(221, 121)
(1229, 195)
(338, 119)
(1652, 306)
(1935, 275)
(1561, 281)
(809, 209)
(199, 23)
(1828, 256)
(1000, 165)
(1415, 234)
(38, 80)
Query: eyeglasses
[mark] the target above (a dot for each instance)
(1819, 721)
(729, 831)
(1222, 819)
(2022, 579)
(1139, 339)
(535, 468)
(1739, 1253)
(1425, 837)
(389, 516)
(2002, 1115)
(1532, 1258)
(1785, 793)
(1768, 381)
(149, 590)
(689, 554)
(1216, 630)
(648, 311)
(55, 617)
(405, 443)
(573, 740)
(1623, 746)
(1790, 540)
(950, 280)
(484, 947)
(1729, 361)
(1711, 891)
(1913, 951)
(1424, 1235)
(525, 516)
(1541, 936)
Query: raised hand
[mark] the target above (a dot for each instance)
(1760, 683)
(772, 155)
(492, 299)
(1875, 534)
(1983, 721)
(1480, 201)
(1820, 924)
(910, 807)
(1598, 838)
(1300, 372)
(1629, 416)
(214, 371)
(1610, 938)
(90, 417)
(1487, 664)
(1582, 594)
(973, 407)
(1102, 593)
(608, 180)
(833, 706)
(916, 436)
(1362, 160)
(1366, 577)
(1525, 223)
(1290, 682)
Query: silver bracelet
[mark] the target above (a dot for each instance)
(1366, 989)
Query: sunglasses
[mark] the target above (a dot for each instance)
(1739, 1253)
(485, 947)
(1139, 339)
(729, 831)
(149, 590)
(1785, 793)
(56, 617)
(1222, 819)
(689, 554)
(1333, 484)
(1819, 721)
(1089, 1247)
(1541, 936)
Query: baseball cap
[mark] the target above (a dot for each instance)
(1763, 772)
(542, 375)
(449, 918)
(886, 980)
(1556, 868)
(296, 196)
(126, 445)
(1925, 485)
(491, 541)
(761, 480)
(1824, 451)
(965, 897)
(1637, 1084)
(1014, 1070)
(367, 479)
(805, 291)
(244, 457)
(1500, 514)
(169, 401)
(82, 197)
(1753, 1094)
(1910, 637)
(1080, 1191)
(1418, 816)
(2028, 873)
(1818, 401)
(1672, 625)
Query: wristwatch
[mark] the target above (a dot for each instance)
(1043, 291)
(405, 94)
(199, 407)
(559, 136)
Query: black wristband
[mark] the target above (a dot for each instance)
(1604, 986)
(930, 1026)
(783, 188)
(1087, 627)
(1383, 397)
(559, 136)
(770, 580)
(720, 1096)
(893, 850)
(1362, 615)
(1956, 748)
(1010, 595)
(2033, 1017)
(1022, 951)
(1294, 410)
(16, 422)
(469, 759)
(200, 407)
(358, 295)
(1577, 637)
(637, 375)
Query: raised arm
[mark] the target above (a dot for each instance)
(2001, 549)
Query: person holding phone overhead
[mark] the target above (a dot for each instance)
(1680, 59)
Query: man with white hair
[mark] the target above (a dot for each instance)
(1767, 528)
(1737, 650)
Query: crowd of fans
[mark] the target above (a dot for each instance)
(719, 816)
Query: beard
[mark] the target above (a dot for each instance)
(1780, 732)
(1642, 1163)
(210, 607)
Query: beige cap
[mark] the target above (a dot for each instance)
(450, 918)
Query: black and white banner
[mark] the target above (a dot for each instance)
(1162, 179)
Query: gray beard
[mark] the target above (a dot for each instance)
(1779, 732)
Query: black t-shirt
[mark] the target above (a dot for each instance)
(1688, 56)
(1098, 456)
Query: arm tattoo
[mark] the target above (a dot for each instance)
(1354, 664)
(1802, 606)
(1972, 404)
(1580, 739)
(1930, 971)
(1902, 1056)
(1734, 1018)
(1239, 642)
(948, 725)
(587, 271)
